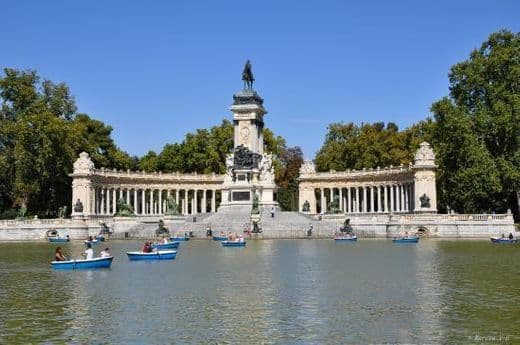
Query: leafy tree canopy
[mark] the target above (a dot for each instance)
(41, 134)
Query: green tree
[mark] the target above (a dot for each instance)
(94, 137)
(467, 178)
(41, 134)
(348, 146)
(149, 162)
(286, 177)
(485, 92)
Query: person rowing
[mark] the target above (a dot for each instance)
(58, 255)
(89, 253)
(105, 253)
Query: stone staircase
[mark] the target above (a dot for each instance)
(234, 219)
(293, 225)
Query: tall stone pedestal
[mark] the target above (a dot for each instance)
(249, 170)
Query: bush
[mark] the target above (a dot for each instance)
(9, 214)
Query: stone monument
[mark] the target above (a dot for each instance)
(424, 180)
(249, 170)
(82, 192)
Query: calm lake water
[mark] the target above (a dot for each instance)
(280, 291)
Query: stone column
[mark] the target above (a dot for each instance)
(322, 200)
(396, 198)
(102, 201)
(186, 200)
(372, 199)
(384, 205)
(356, 201)
(341, 199)
(203, 208)
(379, 199)
(365, 204)
(349, 200)
(213, 200)
(196, 201)
(405, 202)
(152, 211)
(391, 198)
(401, 201)
(135, 201)
(120, 193)
(114, 200)
(143, 201)
(160, 201)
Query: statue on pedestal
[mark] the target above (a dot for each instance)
(425, 201)
(78, 207)
(247, 76)
(161, 229)
(333, 206)
(173, 208)
(306, 206)
(62, 212)
(255, 209)
(123, 209)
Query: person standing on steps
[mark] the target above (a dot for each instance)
(309, 232)
(272, 211)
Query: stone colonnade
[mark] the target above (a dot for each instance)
(373, 198)
(99, 190)
(153, 201)
(409, 188)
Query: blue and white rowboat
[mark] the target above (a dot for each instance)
(163, 246)
(177, 239)
(96, 241)
(346, 238)
(158, 255)
(219, 238)
(502, 240)
(406, 240)
(59, 239)
(233, 244)
(82, 264)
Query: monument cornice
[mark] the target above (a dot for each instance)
(402, 173)
(103, 176)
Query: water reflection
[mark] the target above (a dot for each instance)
(280, 291)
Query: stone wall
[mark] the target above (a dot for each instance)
(284, 225)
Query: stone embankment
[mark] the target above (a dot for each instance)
(282, 225)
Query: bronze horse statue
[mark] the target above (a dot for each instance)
(247, 76)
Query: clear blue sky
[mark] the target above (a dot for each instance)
(155, 70)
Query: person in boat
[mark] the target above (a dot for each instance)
(90, 239)
(406, 234)
(105, 253)
(229, 236)
(510, 236)
(68, 237)
(165, 240)
(89, 253)
(58, 255)
(241, 238)
(503, 236)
